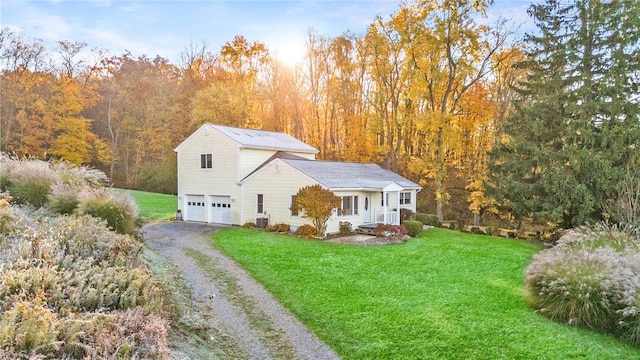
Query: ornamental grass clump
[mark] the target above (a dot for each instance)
(117, 209)
(63, 199)
(590, 279)
(30, 184)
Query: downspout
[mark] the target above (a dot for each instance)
(241, 187)
(238, 163)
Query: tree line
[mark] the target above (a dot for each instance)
(429, 92)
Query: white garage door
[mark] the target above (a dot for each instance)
(195, 208)
(220, 210)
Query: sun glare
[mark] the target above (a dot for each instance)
(289, 53)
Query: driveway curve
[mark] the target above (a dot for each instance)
(276, 334)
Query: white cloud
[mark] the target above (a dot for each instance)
(116, 43)
(36, 22)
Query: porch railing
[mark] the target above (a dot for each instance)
(392, 217)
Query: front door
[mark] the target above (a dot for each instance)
(367, 209)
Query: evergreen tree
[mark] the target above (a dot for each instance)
(576, 126)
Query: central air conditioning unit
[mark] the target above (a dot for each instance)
(262, 223)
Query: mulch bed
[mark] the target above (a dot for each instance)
(365, 240)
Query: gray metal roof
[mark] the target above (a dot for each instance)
(346, 175)
(268, 140)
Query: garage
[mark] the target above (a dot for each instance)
(220, 210)
(195, 208)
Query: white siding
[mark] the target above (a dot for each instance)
(221, 180)
(277, 188)
(333, 225)
(250, 159)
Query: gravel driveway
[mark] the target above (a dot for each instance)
(292, 340)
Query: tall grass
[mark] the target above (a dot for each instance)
(591, 279)
(69, 286)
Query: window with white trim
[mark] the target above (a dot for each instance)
(206, 161)
(405, 198)
(348, 205)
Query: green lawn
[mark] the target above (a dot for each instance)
(445, 295)
(154, 206)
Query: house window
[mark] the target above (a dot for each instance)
(294, 211)
(405, 198)
(260, 204)
(348, 205)
(383, 200)
(206, 161)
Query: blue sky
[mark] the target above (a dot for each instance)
(167, 27)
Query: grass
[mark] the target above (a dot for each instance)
(445, 295)
(155, 206)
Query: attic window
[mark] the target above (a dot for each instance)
(206, 161)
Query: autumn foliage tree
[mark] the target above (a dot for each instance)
(422, 92)
(316, 203)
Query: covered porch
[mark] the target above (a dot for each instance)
(387, 213)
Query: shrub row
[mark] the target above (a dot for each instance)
(428, 219)
(66, 189)
(591, 278)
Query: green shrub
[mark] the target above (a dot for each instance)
(406, 214)
(306, 230)
(118, 210)
(414, 228)
(345, 228)
(428, 219)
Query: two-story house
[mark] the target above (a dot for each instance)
(231, 176)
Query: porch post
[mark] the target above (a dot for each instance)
(384, 202)
(398, 208)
